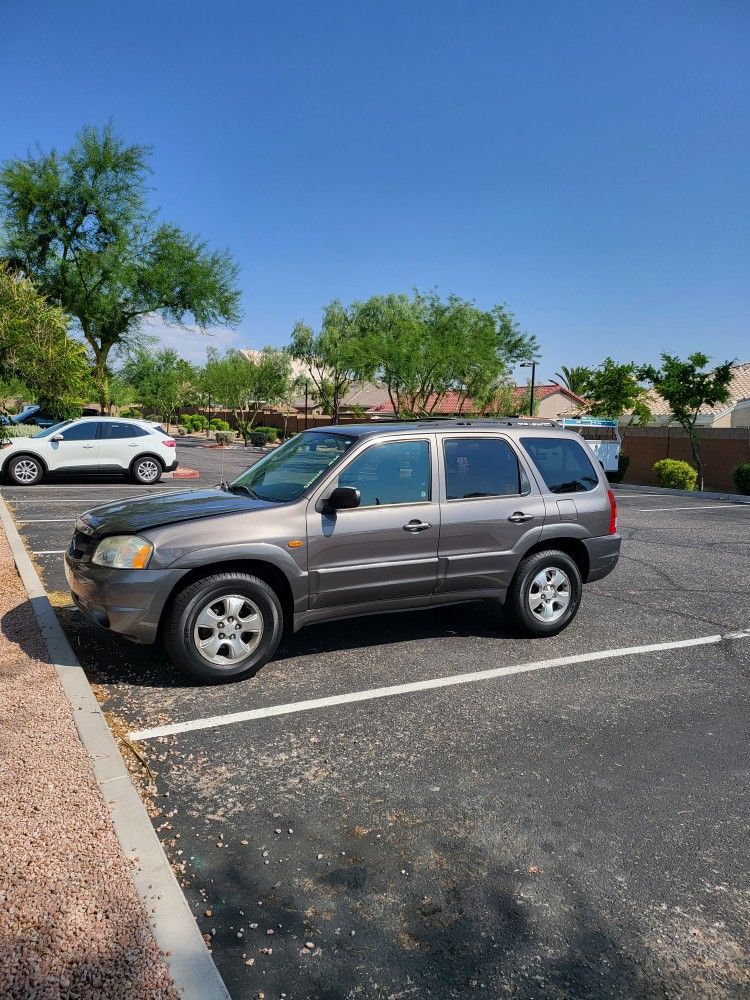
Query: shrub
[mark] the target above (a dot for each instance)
(741, 477)
(623, 463)
(182, 431)
(223, 437)
(22, 430)
(675, 475)
(272, 433)
(258, 438)
(132, 412)
(195, 421)
(217, 424)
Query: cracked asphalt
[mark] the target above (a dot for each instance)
(580, 831)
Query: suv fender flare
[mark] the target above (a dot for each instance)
(214, 558)
(23, 454)
(147, 454)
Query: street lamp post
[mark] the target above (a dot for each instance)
(532, 366)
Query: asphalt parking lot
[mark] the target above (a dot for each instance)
(575, 829)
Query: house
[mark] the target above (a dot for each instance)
(551, 401)
(734, 413)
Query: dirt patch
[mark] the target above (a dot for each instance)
(71, 921)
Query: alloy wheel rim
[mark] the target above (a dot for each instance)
(228, 629)
(549, 594)
(26, 470)
(147, 470)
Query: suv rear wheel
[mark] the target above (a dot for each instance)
(146, 470)
(223, 627)
(545, 593)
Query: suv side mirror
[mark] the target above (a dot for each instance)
(57, 437)
(342, 498)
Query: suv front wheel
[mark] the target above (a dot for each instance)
(545, 593)
(223, 627)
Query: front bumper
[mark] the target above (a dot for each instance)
(127, 601)
(604, 551)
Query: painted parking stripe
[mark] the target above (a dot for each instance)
(48, 552)
(702, 506)
(212, 722)
(46, 520)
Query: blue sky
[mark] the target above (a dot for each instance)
(585, 162)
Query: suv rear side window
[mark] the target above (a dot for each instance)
(480, 467)
(564, 465)
(393, 473)
(112, 431)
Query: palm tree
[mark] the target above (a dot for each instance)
(574, 379)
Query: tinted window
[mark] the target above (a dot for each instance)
(392, 473)
(564, 465)
(122, 431)
(54, 429)
(85, 431)
(286, 473)
(480, 467)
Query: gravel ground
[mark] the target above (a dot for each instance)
(71, 922)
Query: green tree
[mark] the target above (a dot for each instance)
(576, 379)
(77, 223)
(159, 381)
(35, 347)
(613, 389)
(244, 385)
(422, 347)
(334, 357)
(687, 388)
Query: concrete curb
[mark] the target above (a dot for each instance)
(172, 924)
(695, 494)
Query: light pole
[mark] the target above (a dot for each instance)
(532, 366)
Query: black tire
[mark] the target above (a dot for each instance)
(180, 626)
(142, 470)
(524, 591)
(22, 467)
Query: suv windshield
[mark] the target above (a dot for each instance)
(52, 430)
(286, 473)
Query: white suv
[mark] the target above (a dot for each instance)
(138, 448)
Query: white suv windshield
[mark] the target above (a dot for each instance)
(286, 473)
(53, 429)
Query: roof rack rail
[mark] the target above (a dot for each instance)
(492, 421)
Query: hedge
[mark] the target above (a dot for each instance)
(675, 475)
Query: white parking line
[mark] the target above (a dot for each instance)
(696, 506)
(45, 520)
(214, 721)
(48, 552)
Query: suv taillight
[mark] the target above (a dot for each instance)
(169, 442)
(612, 513)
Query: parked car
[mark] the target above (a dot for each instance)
(139, 449)
(33, 414)
(345, 521)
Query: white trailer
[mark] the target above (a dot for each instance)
(602, 435)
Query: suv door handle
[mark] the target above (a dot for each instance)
(415, 526)
(519, 517)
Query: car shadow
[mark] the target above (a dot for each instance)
(111, 660)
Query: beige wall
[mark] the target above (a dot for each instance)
(556, 404)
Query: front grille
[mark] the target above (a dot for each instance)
(81, 546)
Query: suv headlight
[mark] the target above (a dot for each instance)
(123, 552)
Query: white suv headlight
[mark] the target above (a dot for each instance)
(123, 552)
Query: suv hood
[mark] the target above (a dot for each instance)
(129, 516)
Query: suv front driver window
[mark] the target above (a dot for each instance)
(392, 473)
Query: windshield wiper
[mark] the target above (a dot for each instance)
(239, 488)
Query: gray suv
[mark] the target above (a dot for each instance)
(345, 521)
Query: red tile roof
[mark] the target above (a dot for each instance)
(451, 403)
